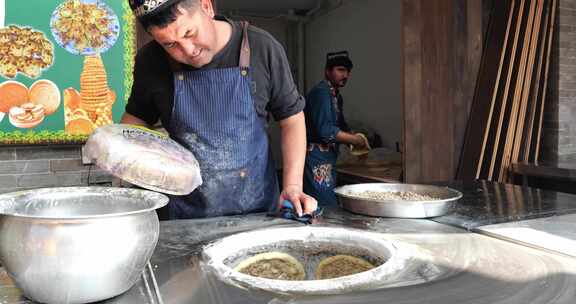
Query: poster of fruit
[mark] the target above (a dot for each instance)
(65, 68)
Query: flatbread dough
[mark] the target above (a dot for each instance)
(363, 151)
(341, 265)
(144, 157)
(273, 265)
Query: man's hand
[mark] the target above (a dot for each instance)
(351, 139)
(132, 120)
(360, 142)
(302, 202)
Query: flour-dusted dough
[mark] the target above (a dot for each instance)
(363, 151)
(145, 158)
(273, 265)
(341, 265)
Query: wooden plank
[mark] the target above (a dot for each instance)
(520, 79)
(468, 35)
(437, 100)
(474, 43)
(542, 101)
(503, 100)
(436, 81)
(487, 10)
(479, 113)
(508, 109)
(460, 35)
(533, 48)
(411, 88)
(499, 92)
(534, 96)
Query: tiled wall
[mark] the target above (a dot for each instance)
(29, 167)
(559, 133)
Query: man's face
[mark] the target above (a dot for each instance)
(192, 38)
(338, 76)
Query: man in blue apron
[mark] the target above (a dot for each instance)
(326, 128)
(212, 82)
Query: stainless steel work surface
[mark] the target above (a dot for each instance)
(556, 233)
(471, 268)
(487, 203)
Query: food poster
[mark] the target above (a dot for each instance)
(65, 68)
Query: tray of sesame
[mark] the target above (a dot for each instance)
(397, 200)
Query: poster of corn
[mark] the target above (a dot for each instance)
(65, 68)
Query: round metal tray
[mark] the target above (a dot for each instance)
(349, 200)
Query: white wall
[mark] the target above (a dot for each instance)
(277, 27)
(370, 31)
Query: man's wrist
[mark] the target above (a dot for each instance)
(293, 186)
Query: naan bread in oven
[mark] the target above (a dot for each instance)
(340, 266)
(273, 265)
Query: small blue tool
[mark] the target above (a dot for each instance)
(288, 212)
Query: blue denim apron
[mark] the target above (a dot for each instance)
(215, 117)
(320, 165)
(320, 173)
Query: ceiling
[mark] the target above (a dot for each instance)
(266, 7)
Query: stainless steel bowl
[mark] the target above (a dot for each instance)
(77, 244)
(350, 200)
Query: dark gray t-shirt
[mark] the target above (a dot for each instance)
(273, 88)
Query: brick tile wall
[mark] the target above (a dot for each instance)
(29, 167)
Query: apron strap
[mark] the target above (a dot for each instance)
(245, 48)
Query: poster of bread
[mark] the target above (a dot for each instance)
(65, 68)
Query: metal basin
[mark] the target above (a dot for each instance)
(349, 198)
(77, 244)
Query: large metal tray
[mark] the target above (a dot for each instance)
(349, 200)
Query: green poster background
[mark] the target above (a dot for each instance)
(66, 68)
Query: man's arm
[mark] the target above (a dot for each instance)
(132, 120)
(293, 140)
(320, 111)
(349, 138)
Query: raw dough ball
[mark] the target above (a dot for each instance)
(363, 151)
